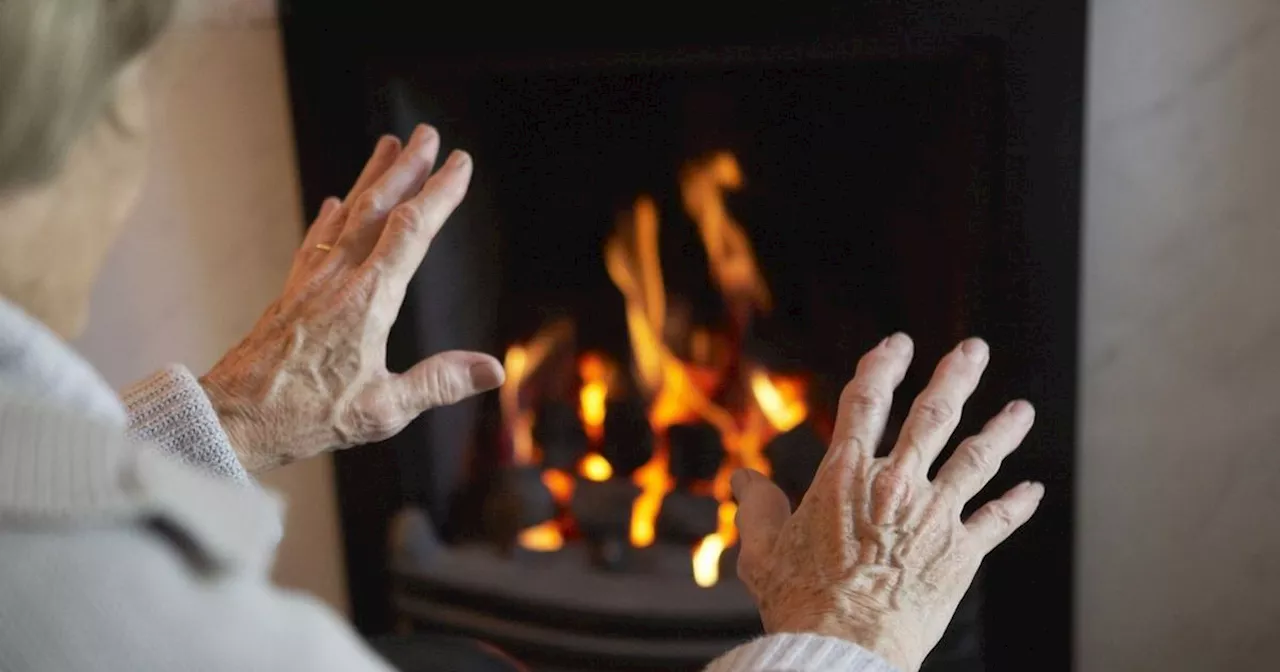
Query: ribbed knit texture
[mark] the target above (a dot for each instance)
(170, 410)
(799, 653)
(59, 464)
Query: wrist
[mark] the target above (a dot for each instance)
(871, 632)
(237, 423)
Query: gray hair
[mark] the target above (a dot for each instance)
(59, 60)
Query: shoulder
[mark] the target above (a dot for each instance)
(113, 556)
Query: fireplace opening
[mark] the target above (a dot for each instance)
(682, 232)
(692, 254)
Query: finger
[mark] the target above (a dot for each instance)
(866, 400)
(762, 511)
(936, 412)
(326, 225)
(997, 519)
(402, 179)
(385, 153)
(414, 223)
(444, 379)
(977, 460)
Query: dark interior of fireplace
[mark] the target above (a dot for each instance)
(680, 236)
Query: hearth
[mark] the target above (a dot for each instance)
(680, 246)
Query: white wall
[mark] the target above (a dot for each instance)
(211, 243)
(1179, 558)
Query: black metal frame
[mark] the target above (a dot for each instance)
(340, 62)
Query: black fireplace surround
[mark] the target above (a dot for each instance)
(909, 165)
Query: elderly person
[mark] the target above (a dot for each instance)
(132, 536)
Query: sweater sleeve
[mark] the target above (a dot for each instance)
(169, 409)
(799, 653)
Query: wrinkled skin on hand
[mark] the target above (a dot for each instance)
(311, 376)
(876, 553)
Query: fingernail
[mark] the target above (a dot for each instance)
(975, 349)
(899, 342)
(1033, 488)
(1016, 406)
(458, 158)
(486, 375)
(418, 135)
(383, 142)
(738, 481)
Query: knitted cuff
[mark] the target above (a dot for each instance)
(170, 410)
(799, 653)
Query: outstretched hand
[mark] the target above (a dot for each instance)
(311, 376)
(876, 553)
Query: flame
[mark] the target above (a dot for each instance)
(677, 391)
(544, 537)
(780, 399)
(560, 484)
(706, 560)
(596, 375)
(520, 362)
(655, 483)
(729, 253)
(594, 467)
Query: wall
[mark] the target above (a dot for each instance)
(1179, 555)
(211, 242)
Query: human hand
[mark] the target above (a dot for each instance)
(876, 553)
(311, 376)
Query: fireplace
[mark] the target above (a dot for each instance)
(680, 237)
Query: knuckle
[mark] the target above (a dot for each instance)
(446, 388)
(977, 457)
(371, 202)
(891, 485)
(376, 422)
(861, 397)
(406, 218)
(1002, 514)
(935, 411)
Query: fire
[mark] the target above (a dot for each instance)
(520, 362)
(594, 467)
(780, 399)
(560, 484)
(706, 555)
(678, 391)
(706, 560)
(596, 375)
(545, 537)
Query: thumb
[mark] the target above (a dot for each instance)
(762, 510)
(446, 378)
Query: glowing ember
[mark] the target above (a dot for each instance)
(560, 484)
(545, 537)
(594, 467)
(677, 391)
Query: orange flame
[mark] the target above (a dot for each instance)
(560, 484)
(544, 537)
(594, 467)
(729, 253)
(596, 374)
(520, 362)
(677, 391)
(781, 400)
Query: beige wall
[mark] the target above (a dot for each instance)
(1180, 481)
(211, 243)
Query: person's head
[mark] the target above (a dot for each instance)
(73, 129)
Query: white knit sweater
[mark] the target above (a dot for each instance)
(81, 502)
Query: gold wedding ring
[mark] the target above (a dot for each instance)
(324, 246)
